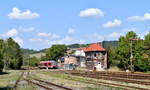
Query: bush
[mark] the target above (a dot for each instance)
(33, 61)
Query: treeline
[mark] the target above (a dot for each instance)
(113, 44)
(77, 45)
(105, 44)
(132, 53)
(52, 53)
(10, 54)
(56, 51)
(28, 51)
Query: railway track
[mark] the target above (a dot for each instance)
(116, 79)
(120, 78)
(140, 79)
(47, 85)
(102, 83)
(136, 76)
(16, 84)
(44, 84)
(126, 75)
(115, 74)
(124, 87)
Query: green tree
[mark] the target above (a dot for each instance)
(124, 50)
(12, 54)
(131, 51)
(143, 60)
(140, 62)
(147, 45)
(1, 54)
(1, 63)
(56, 51)
(43, 58)
(33, 61)
(112, 57)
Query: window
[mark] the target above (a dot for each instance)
(95, 54)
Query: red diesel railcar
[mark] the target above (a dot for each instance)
(48, 64)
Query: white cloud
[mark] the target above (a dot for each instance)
(147, 32)
(30, 29)
(15, 31)
(115, 35)
(71, 31)
(98, 37)
(19, 40)
(115, 23)
(92, 38)
(18, 14)
(145, 17)
(11, 33)
(47, 42)
(68, 40)
(36, 40)
(129, 29)
(91, 12)
(142, 35)
(48, 35)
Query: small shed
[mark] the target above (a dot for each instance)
(70, 62)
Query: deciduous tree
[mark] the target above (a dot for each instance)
(1, 54)
(56, 51)
(12, 54)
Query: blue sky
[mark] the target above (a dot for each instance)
(37, 24)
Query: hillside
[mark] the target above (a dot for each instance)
(77, 45)
(105, 44)
(28, 51)
(113, 44)
(40, 53)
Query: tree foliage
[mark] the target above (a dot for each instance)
(1, 54)
(124, 50)
(56, 51)
(10, 54)
(33, 61)
(13, 54)
(132, 49)
(77, 45)
(147, 45)
(112, 56)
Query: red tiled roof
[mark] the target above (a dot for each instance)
(94, 47)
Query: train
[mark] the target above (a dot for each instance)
(48, 64)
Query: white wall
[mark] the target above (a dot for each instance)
(79, 53)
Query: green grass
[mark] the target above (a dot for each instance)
(148, 72)
(8, 79)
(26, 87)
(76, 79)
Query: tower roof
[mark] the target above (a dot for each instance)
(94, 47)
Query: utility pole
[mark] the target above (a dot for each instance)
(131, 59)
(131, 54)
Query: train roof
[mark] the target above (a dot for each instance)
(47, 61)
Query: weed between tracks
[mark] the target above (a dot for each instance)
(26, 86)
(74, 82)
(9, 79)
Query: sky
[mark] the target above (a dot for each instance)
(38, 24)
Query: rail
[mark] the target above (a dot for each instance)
(47, 85)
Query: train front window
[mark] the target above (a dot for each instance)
(45, 64)
(49, 63)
